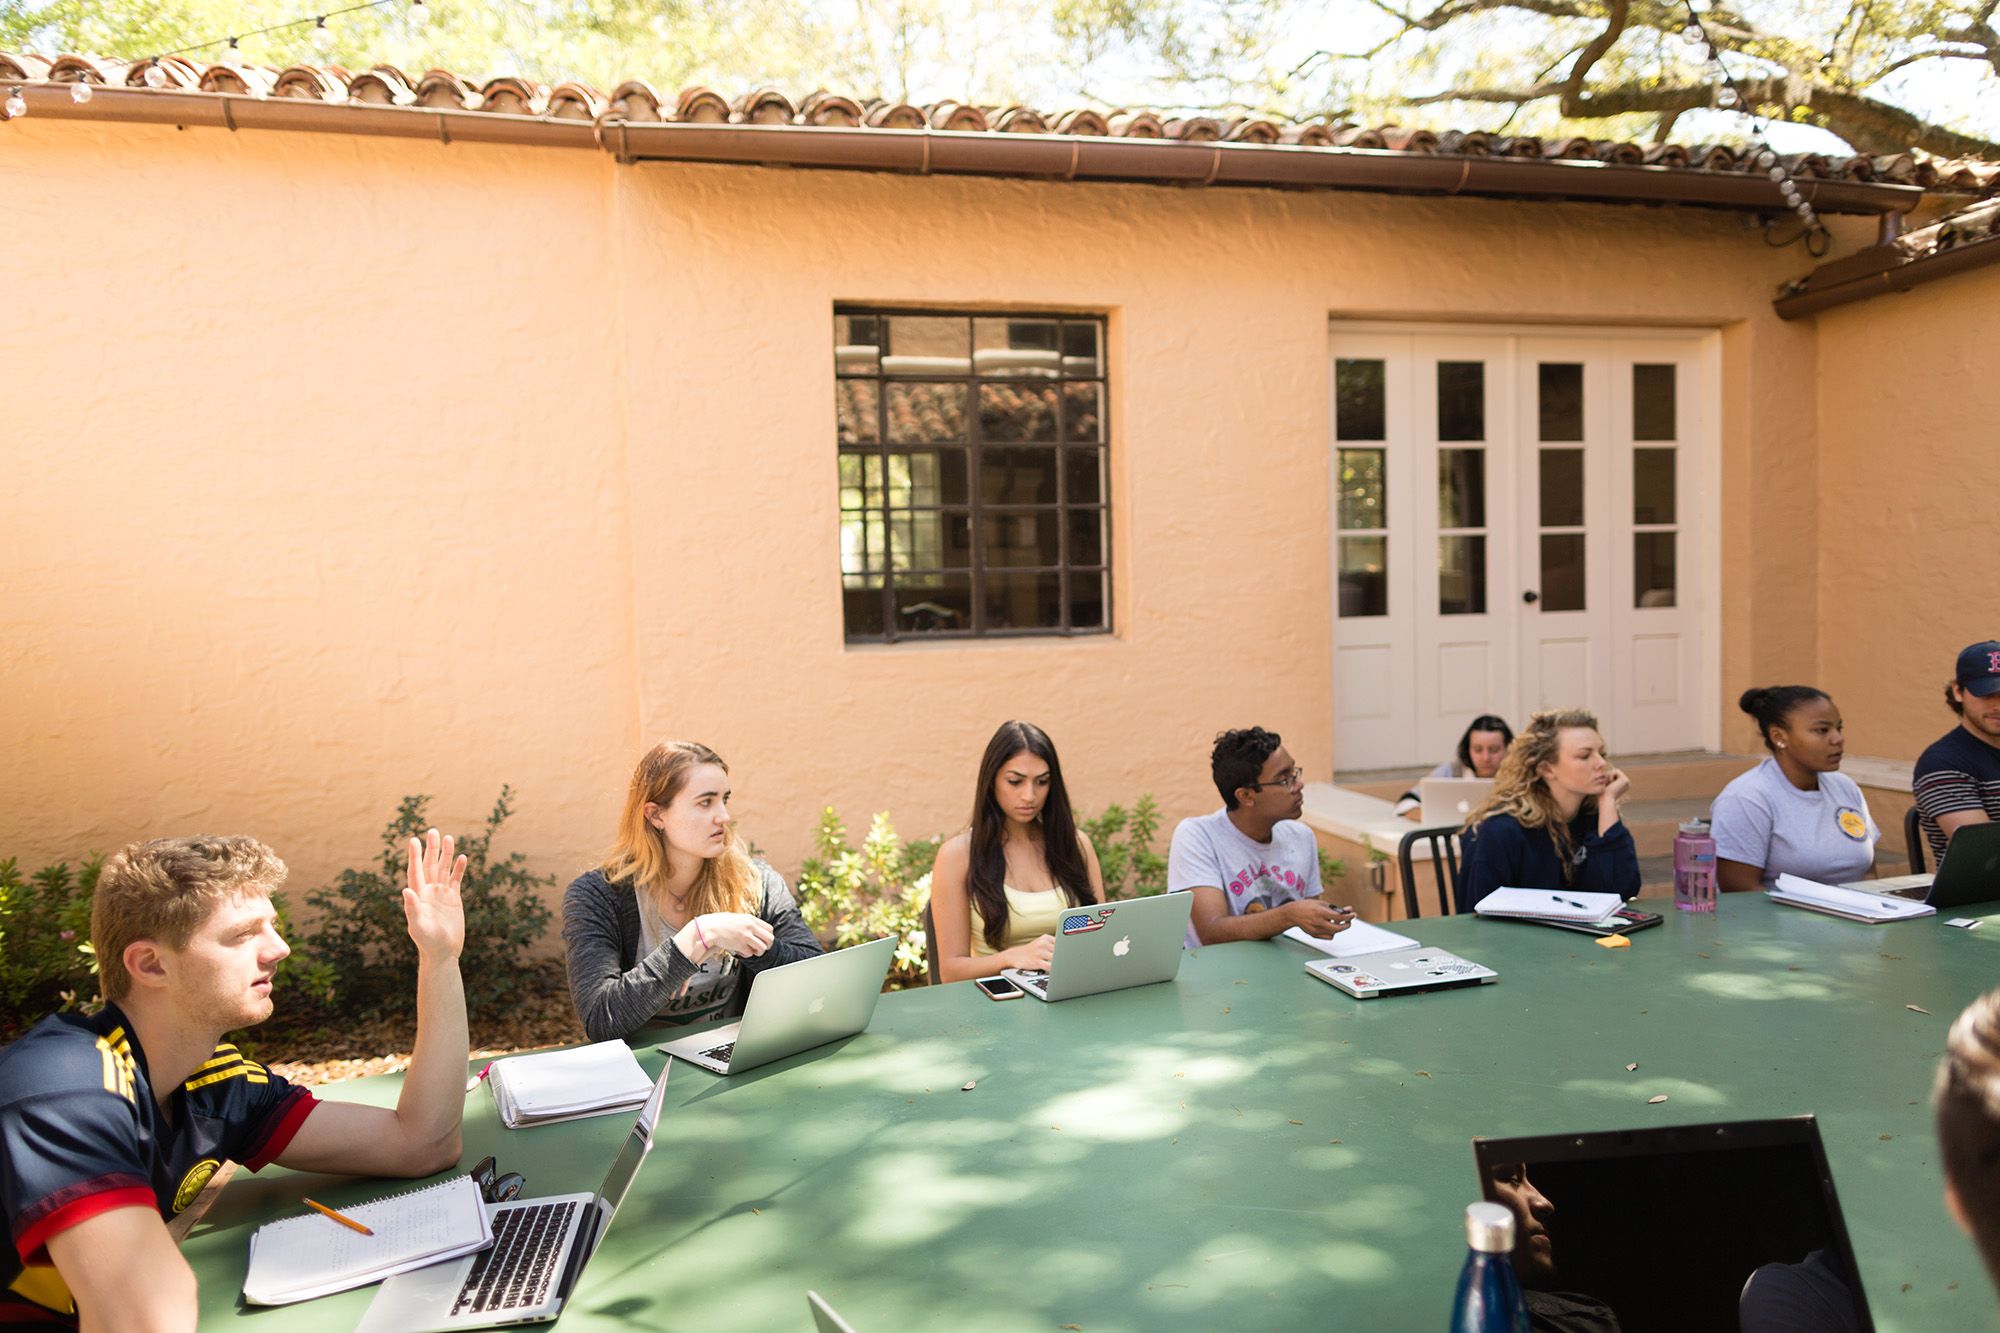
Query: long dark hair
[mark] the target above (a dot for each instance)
(1484, 722)
(986, 876)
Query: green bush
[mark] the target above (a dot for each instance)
(850, 895)
(360, 951)
(45, 958)
(1124, 843)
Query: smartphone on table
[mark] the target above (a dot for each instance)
(998, 988)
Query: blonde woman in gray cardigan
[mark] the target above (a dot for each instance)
(678, 921)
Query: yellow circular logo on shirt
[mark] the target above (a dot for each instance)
(1853, 825)
(194, 1182)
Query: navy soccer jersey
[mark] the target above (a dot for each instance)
(80, 1134)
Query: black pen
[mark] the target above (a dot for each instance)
(1571, 901)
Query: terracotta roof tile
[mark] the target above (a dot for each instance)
(701, 106)
(23, 65)
(442, 90)
(1137, 125)
(1404, 140)
(956, 116)
(1466, 143)
(825, 108)
(384, 85)
(894, 116)
(635, 100)
(84, 69)
(1312, 134)
(1020, 120)
(1082, 121)
(763, 106)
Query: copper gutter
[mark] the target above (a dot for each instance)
(1881, 271)
(985, 153)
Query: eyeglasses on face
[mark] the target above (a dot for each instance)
(1289, 779)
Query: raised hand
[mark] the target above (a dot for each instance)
(431, 904)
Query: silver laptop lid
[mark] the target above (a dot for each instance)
(1451, 800)
(1109, 946)
(811, 1002)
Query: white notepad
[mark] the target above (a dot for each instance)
(303, 1257)
(1358, 939)
(1549, 904)
(1855, 905)
(568, 1085)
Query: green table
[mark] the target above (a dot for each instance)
(1244, 1148)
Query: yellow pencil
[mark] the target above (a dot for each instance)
(341, 1218)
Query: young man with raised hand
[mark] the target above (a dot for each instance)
(1252, 866)
(112, 1123)
(1957, 779)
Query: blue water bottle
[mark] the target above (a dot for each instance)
(1489, 1299)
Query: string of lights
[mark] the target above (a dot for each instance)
(323, 38)
(1730, 97)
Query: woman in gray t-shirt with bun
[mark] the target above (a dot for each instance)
(1795, 813)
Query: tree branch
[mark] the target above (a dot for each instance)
(1572, 88)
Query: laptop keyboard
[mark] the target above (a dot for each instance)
(720, 1054)
(515, 1272)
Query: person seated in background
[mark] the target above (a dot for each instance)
(1967, 1103)
(679, 920)
(1480, 751)
(998, 889)
(1795, 813)
(113, 1122)
(1957, 779)
(1252, 867)
(1552, 821)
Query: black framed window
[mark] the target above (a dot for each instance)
(972, 473)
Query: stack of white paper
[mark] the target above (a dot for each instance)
(1549, 904)
(568, 1085)
(1359, 938)
(1854, 904)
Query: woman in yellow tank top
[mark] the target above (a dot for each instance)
(999, 888)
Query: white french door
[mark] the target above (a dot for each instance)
(1521, 521)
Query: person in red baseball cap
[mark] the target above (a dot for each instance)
(1957, 780)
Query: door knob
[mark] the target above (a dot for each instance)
(1531, 597)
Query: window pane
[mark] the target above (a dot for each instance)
(1017, 476)
(1017, 412)
(930, 477)
(922, 413)
(1086, 537)
(1653, 485)
(1084, 477)
(1082, 350)
(1024, 601)
(1653, 576)
(1023, 539)
(861, 612)
(1086, 598)
(1562, 572)
(1016, 348)
(937, 603)
(1358, 400)
(1362, 495)
(857, 342)
(1083, 412)
(1461, 576)
(1653, 403)
(863, 544)
(1364, 576)
(1562, 488)
(1461, 488)
(928, 541)
(1561, 400)
(927, 345)
(1461, 400)
(859, 422)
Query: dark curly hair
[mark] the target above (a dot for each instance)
(1238, 758)
(1771, 705)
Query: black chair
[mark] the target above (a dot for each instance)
(1443, 842)
(930, 943)
(1914, 841)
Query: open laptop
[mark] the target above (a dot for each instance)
(539, 1250)
(825, 1318)
(1719, 1226)
(1110, 946)
(1451, 800)
(795, 1008)
(1400, 972)
(1969, 873)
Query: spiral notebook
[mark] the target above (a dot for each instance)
(570, 1084)
(300, 1258)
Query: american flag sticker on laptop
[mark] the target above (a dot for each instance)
(1078, 923)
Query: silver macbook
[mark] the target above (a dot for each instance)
(795, 1008)
(825, 1318)
(1110, 946)
(1451, 800)
(539, 1250)
(1401, 972)
(1969, 873)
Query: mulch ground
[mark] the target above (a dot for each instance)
(318, 1053)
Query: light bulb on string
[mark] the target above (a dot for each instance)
(322, 36)
(155, 76)
(1766, 158)
(1727, 99)
(1693, 35)
(17, 105)
(79, 92)
(1776, 173)
(420, 14)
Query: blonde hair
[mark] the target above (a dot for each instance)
(164, 889)
(726, 883)
(1519, 788)
(1967, 1102)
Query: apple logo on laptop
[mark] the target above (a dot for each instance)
(1123, 947)
(817, 1005)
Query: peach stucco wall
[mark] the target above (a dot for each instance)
(346, 467)
(1906, 404)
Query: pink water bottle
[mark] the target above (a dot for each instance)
(1694, 867)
